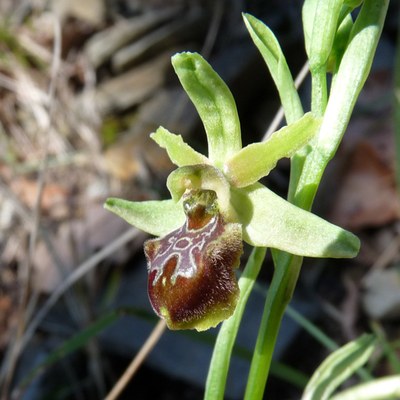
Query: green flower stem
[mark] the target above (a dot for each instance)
(219, 366)
(278, 297)
(319, 93)
(352, 73)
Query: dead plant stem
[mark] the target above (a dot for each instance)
(151, 341)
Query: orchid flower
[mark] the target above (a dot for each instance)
(217, 203)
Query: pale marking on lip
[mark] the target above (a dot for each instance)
(182, 244)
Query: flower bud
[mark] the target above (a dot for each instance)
(192, 283)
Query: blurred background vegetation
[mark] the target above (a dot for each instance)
(82, 85)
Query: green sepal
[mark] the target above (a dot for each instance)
(270, 221)
(273, 56)
(214, 103)
(204, 177)
(155, 217)
(338, 367)
(178, 151)
(257, 159)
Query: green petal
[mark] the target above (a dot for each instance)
(178, 151)
(204, 177)
(265, 155)
(155, 217)
(270, 221)
(271, 51)
(214, 103)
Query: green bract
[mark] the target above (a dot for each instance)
(232, 172)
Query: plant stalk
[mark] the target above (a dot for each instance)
(219, 366)
(278, 297)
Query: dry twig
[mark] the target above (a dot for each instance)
(151, 341)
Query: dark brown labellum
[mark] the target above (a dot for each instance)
(192, 281)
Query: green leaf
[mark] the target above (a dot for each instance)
(155, 217)
(338, 367)
(270, 221)
(256, 160)
(202, 177)
(214, 103)
(178, 151)
(378, 389)
(271, 51)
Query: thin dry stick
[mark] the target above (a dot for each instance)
(151, 341)
(280, 114)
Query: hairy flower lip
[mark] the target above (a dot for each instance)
(192, 283)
